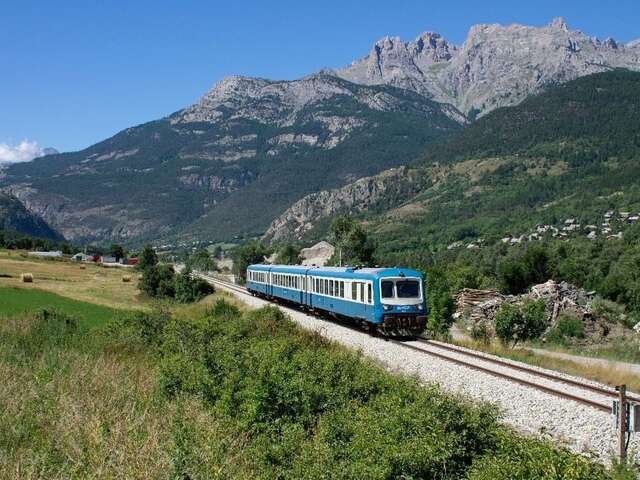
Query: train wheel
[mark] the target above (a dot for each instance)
(373, 329)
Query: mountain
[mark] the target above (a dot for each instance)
(570, 152)
(227, 164)
(495, 66)
(15, 217)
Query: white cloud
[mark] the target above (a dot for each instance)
(22, 152)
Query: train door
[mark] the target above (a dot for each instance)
(269, 286)
(301, 283)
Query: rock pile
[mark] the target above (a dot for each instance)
(562, 297)
(479, 307)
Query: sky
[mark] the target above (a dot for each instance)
(73, 73)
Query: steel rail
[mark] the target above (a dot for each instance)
(502, 363)
(550, 376)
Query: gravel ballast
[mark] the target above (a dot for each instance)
(581, 428)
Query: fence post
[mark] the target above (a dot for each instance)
(622, 424)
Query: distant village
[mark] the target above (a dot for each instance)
(611, 228)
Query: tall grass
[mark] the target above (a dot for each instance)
(236, 395)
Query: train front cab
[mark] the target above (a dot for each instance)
(401, 303)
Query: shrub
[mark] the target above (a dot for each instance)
(570, 327)
(148, 257)
(515, 323)
(137, 330)
(157, 281)
(309, 409)
(480, 332)
(440, 303)
(189, 289)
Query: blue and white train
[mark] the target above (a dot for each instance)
(389, 300)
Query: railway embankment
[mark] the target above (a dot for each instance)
(541, 414)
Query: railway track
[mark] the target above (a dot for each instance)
(565, 387)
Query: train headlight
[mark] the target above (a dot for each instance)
(386, 307)
(420, 307)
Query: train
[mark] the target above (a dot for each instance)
(391, 301)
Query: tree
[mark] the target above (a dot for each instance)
(201, 260)
(188, 289)
(288, 255)
(518, 273)
(116, 251)
(439, 301)
(353, 246)
(158, 281)
(148, 257)
(245, 255)
(518, 323)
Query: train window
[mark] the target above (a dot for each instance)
(326, 287)
(354, 290)
(387, 289)
(369, 296)
(331, 287)
(341, 289)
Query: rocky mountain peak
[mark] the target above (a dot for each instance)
(497, 65)
(559, 23)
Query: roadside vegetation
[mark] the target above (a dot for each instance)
(236, 394)
(161, 281)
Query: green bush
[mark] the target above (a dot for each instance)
(480, 333)
(188, 290)
(566, 330)
(158, 281)
(515, 323)
(137, 330)
(440, 303)
(311, 409)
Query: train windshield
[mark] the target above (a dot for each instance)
(400, 288)
(408, 288)
(387, 289)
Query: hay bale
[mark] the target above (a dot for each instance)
(26, 277)
(126, 278)
(83, 267)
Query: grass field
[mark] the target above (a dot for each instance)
(19, 302)
(94, 284)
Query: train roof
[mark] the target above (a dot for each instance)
(340, 272)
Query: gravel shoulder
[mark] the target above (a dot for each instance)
(580, 428)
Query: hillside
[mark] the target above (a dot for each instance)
(571, 152)
(226, 165)
(229, 164)
(15, 217)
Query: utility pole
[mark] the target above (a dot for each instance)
(622, 424)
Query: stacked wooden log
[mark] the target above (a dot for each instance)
(478, 305)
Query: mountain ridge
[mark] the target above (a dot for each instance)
(225, 166)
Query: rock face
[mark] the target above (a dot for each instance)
(358, 196)
(14, 216)
(318, 254)
(496, 66)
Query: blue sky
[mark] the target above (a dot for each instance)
(76, 72)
